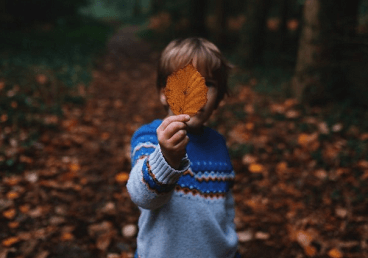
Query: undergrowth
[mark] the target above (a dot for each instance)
(40, 72)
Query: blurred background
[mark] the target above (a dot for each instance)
(77, 78)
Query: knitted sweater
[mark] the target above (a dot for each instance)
(187, 212)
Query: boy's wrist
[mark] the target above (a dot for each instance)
(163, 171)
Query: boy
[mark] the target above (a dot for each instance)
(181, 170)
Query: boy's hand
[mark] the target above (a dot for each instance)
(172, 137)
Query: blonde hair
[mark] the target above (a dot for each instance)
(204, 55)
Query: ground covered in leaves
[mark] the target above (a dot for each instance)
(301, 184)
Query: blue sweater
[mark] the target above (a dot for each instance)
(185, 213)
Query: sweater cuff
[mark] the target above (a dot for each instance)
(162, 171)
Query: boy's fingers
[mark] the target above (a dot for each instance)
(170, 119)
(178, 137)
(173, 128)
(183, 143)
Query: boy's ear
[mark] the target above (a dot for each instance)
(163, 97)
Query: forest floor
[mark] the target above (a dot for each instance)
(294, 196)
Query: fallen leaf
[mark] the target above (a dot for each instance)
(12, 195)
(42, 254)
(303, 238)
(122, 177)
(282, 167)
(24, 208)
(310, 250)
(105, 136)
(103, 241)
(307, 139)
(337, 127)
(245, 236)
(11, 181)
(9, 214)
(256, 168)
(341, 212)
(10, 241)
(41, 79)
(186, 91)
(262, 235)
(66, 236)
(13, 224)
(129, 230)
(335, 253)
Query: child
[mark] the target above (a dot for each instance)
(181, 171)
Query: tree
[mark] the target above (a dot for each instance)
(317, 69)
(198, 17)
(252, 33)
(137, 8)
(157, 6)
(220, 17)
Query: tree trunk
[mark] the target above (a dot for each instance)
(347, 17)
(220, 17)
(313, 68)
(137, 8)
(157, 6)
(253, 31)
(282, 32)
(318, 73)
(198, 18)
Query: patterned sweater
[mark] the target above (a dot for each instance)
(185, 213)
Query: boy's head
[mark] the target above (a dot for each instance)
(206, 57)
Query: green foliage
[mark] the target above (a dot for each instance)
(40, 72)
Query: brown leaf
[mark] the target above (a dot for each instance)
(122, 177)
(335, 253)
(10, 214)
(10, 241)
(186, 91)
(303, 238)
(42, 254)
(66, 236)
(310, 250)
(256, 168)
(103, 241)
(12, 195)
(13, 224)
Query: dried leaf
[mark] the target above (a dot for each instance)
(42, 254)
(281, 167)
(13, 224)
(103, 241)
(122, 177)
(303, 238)
(256, 168)
(129, 230)
(245, 236)
(310, 250)
(262, 235)
(66, 236)
(186, 91)
(12, 195)
(10, 241)
(10, 214)
(335, 253)
(74, 167)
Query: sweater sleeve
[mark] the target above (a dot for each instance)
(152, 180)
